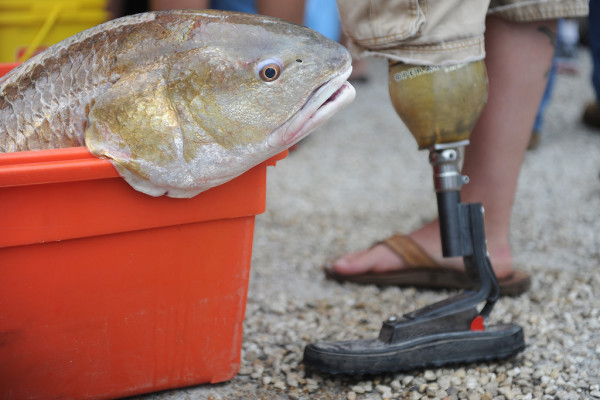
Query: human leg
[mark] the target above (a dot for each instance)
(591, 115)
(594, 33)
(292, 11)
(178, 4)
(518, 60)
(538, 125)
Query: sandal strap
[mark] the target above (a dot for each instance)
(410, 251)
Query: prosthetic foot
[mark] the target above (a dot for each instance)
(439, 105)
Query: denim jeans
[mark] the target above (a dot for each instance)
(594, 32)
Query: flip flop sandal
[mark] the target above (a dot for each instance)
(425, 272)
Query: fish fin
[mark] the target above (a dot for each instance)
(134, 125)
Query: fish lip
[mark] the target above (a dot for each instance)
(324, 101)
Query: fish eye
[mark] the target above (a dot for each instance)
(270, 72)
(269, 69)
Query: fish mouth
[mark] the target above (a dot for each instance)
(322, 104)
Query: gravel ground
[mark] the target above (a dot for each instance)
(360, 178)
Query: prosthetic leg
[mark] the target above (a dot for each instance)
(440, 106)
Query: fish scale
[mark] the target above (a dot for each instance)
(53, 91)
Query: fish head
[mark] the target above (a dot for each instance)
(230, 91)
(267, 80)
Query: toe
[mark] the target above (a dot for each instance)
(377, 259)
(350, 264)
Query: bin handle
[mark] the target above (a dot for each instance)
(43, 32)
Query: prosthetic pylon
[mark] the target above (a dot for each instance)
(439, 105)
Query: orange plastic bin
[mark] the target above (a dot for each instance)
(106, 292)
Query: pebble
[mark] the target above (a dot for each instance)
(444, 382)
(491, 388)
(430, 375)
(396, 385)
(471, 382)
(293, 380)
(460, 373)
(414, 396)
(456, 381)
(432, 391)
(407, 380)
(358, 389)
(383, 389)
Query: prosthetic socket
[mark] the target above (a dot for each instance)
(440, 105)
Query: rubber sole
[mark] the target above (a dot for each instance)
(373, 356)
(432, 278)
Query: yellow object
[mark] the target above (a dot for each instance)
(439, 104)
(29, 26)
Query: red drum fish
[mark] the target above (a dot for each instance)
(179, 101)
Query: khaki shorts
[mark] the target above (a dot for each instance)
(438, 32)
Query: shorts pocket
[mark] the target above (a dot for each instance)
(382, 24)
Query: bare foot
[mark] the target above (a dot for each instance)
(381, 258)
